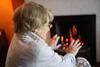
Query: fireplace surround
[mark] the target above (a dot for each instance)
(77, 26)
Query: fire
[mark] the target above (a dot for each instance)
(73, 35)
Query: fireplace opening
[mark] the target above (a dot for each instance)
(82, 27)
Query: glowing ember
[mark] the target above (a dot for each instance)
(73, 35)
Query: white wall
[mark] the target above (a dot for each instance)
(75, 7)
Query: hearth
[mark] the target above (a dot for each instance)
(82, 27)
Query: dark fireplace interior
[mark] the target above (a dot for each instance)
(82, 27)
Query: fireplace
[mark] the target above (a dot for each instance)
(77, 26)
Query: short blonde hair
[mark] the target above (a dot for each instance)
(30, 16)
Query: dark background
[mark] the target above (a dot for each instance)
(86, 27)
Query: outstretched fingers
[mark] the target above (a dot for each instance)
(72, 42)
(76, 43)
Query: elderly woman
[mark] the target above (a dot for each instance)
(29, 48)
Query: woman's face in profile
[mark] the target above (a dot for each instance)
(46, 30)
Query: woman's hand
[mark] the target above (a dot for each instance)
(53, 42)
(73, 47)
